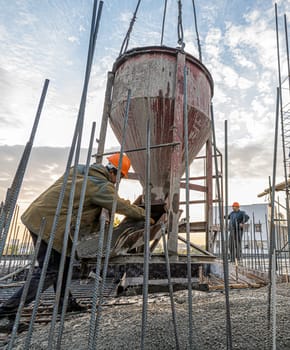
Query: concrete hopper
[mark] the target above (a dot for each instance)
(156, 81)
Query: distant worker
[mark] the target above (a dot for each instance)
(236, 225)
(100, 193)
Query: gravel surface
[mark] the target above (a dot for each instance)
(120, 326)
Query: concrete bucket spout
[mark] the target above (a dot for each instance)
(155, 76)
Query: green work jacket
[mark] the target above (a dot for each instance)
(100, 193)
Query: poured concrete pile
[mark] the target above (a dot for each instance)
(121, 324)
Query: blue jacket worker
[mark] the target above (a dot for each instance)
(237, 219)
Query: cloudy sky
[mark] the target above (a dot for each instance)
(49, 40)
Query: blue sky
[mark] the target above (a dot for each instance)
(49, 39)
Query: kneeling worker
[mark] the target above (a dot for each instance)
(100, 193)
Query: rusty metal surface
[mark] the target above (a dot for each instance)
(150, 73)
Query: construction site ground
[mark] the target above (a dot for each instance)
(121, 321)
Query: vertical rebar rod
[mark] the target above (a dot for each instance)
(268, 238)
(81, 113)
(75, 239)
(226, 190)
(257, 262)
(262, 247)
(91, 340)
(65, 180)
(287, 49)
(5, 207)
(163, 22)
(19, 175)
(170, 287)
(111, 225)
(146, 234)
(284, 244)
(252, 247)
(15, 228)
(11, 237)
(26, 287)
(282, 128)
(278, 246)
(15, 248)
(272, 226)
(225, 260)
(187, 217)
(274, 303)
(196, 30)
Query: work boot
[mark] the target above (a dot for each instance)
(72, 306)
(7, 312)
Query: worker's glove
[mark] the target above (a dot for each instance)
(152, 221)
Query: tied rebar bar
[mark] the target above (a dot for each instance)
(274, 302)
(272, 226)
(284, 132)
(26, 286)
(91, 342)
(76, 136)
(187, 219)
(75, 240)
(224, 253)
(12, 194)
(170, 287)
(226, 189)
(93, 36)
(146, 235)
(287, 50)
(111, 225)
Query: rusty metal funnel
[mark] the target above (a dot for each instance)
(156, 83)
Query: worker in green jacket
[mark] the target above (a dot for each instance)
(100, 193)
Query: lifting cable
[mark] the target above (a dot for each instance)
(127, 37)
(180, 27)
(163, 22)
(196, 30)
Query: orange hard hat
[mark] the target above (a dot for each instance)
(114, 160)
(236, 204)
